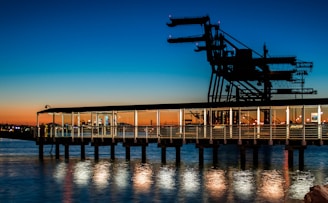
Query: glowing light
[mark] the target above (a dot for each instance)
(101, 175)
(60, 172)
(142, 178)
(166, 178)
(190, 181)
(243, 182)
(121, 177)
(82, 173)
(272, 186)
(215, 182)
(301, 182)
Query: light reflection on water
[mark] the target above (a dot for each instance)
(142, 178)
(121, 181)
(272, 186)
(166, 178)
(301, 182)
(244, 184)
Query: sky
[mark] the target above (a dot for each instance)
(67, 53)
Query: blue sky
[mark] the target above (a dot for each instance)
(83, 53)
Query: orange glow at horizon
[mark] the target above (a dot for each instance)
(20, 115)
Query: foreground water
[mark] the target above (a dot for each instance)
(23, 178)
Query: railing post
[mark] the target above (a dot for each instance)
(239, 126)
(205, 122)
(270, 123)
(63, 125)
(258, 122)
(72, 125)
(319, 123)
(170, 134)
(287, 123)
(123, 129)
(158, 122)
(230, 122)
(146, 134)
(135, 125)
(303, 122)
(78, 124)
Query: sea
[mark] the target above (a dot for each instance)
(25, 178)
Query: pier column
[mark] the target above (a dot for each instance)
(127, 152)
(96, 152)
(255, 156)
(112, 151)
(301, 158)
(215, 155)
(82, 151)
(290, 158)
(41, 150)
(143, 154)
(57, 150)
(242, 151)
(201, 156)
(66, 151)
(163, 154)
(177, 154)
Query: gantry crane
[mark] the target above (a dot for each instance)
(236, 74)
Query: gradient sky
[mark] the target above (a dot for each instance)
(85, 53)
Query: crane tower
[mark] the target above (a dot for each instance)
(238, 72)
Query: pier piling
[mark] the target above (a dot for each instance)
(112, 151)
(127, 152)
(163, 154)
(96, 152)
(57, 151)
(66, 151)
(82, 151)
(143, 153)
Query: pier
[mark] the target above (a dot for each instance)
(250, 125)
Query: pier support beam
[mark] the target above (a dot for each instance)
(242, 151)
(201, 156)
(41, 150)
(57, 151)
(301, 149)
(255, 156)
(82, 151)
(96, 152)
(215, 155)
(143, 154)
(178, 155)
(290, 158)
(66, 151)
(127, 152)
(301, 159)
(163, 154)
(112, 151)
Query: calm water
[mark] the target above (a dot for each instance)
(23, 178)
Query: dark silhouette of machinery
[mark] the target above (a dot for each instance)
(236, 74)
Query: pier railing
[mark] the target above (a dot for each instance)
(222, 131)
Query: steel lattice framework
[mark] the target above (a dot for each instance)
(236, 74)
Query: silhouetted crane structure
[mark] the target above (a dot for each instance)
(236, 74)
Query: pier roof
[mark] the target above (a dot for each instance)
(314, 101)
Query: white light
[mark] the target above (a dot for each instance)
(142, 178)
(121, 177)
(166, 178)
(190, 181)
(101, 175)
(243, 184)
(170, 16)
(82, 173)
